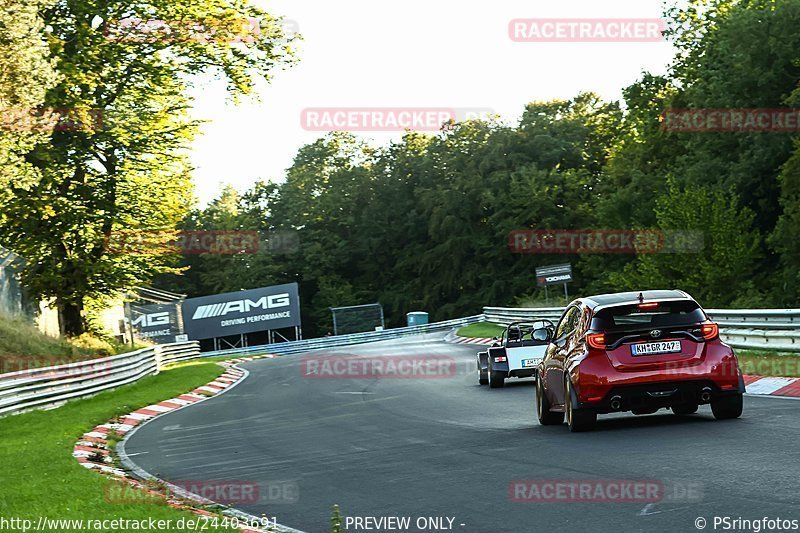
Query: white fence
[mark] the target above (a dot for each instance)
(775, 329)
(42, 388)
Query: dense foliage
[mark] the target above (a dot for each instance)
(423, 224)
(115, 162)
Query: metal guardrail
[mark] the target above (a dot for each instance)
(775, 329)
(285, 348)
(757, 318)
(783, 340)
(506, 315)
(41, 388)
(48, 387)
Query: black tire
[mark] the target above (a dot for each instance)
(685, 409)
(729, 406)
(496, 379)
(483, 375)
(577, 419)
(546, 417)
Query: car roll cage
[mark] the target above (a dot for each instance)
(522, 328)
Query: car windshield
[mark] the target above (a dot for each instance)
(647, 315)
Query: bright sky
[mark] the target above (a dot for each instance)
(410, 53)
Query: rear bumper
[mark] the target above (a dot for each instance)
(659, 394)
(597, 381)
(512, 372)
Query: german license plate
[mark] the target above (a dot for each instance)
(654, 348)
(528, 363)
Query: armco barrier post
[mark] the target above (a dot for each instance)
(158, 354)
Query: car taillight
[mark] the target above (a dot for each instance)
(709, 331)
(649, 305)
(500, 359)
(596, 340)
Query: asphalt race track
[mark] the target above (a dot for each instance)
(447, 447)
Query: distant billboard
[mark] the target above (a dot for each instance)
(159, 323)
(240, 312)
(553, 275)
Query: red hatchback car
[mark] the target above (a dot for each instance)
(638, 352)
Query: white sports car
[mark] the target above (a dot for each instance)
(516, 353)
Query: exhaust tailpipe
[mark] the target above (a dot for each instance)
(705, 395)
(616, 403)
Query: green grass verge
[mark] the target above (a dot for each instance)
(484, 330)
(40, 477)
(766, 363)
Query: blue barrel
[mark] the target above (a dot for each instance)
(417, 318)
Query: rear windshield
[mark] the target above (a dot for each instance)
(648, 315)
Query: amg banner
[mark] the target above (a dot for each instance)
(159, 323)
(234, 313)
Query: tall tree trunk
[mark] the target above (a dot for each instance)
(70, 318)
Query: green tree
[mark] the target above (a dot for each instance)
(785, 239)
(731, 54)
(128, 171)
(26, 73)
(423, 223)
(326, 187)
(745, 56)
(714, 274)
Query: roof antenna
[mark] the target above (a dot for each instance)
(641, 297)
